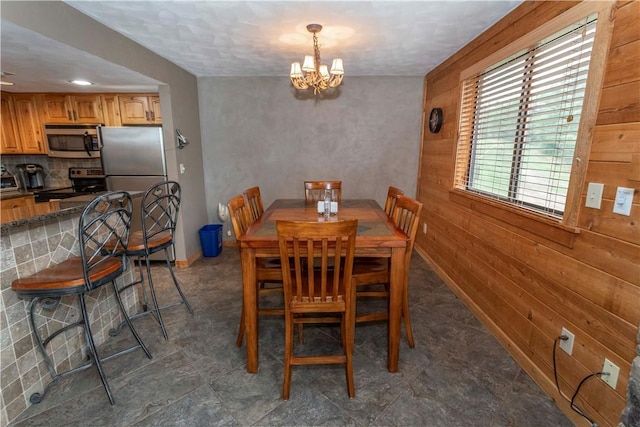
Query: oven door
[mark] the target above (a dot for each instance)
(72, 141)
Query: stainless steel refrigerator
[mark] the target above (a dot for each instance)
(132, 160)
(132, 157)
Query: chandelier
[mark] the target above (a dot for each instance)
(313, 73)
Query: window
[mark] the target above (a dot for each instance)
(519, 122)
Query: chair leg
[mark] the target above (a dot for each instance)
(407, 320)
(156, 307)
(288, 354)
(175, 280)
(145, 301)
(128, 321)
(92, 347)
(36, 398)
(240, 337)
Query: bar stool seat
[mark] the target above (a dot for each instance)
(66, 278)
(154, 243)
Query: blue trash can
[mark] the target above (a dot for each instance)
(211, 239)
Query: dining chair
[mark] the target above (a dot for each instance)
(312, 294)
(104, 220)
(267, 269)
(376, 271)
(314, 190)
(254, 202)
(159, 215)
(392, 196)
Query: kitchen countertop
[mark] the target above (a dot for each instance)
(83, 200)
(68, 207)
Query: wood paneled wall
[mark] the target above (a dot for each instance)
(525, 288)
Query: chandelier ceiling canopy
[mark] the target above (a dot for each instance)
(314, 74)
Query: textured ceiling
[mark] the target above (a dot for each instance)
(261, 38)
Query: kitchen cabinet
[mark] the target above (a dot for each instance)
(10, 143)
(140, 109)
(111, 110)
(30, 135)
(64, 108)
(25, 207)
(17, 208)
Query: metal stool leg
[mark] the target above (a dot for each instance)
(156, 307)
(36, 398)
(92, 347)
(145, 301)
(128, 321)
(175, 281)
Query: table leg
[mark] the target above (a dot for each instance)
(248, 258)
(396, 292)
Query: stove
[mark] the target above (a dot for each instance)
(83, 181)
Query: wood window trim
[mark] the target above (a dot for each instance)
(560, 231)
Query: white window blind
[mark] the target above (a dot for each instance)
(519, 122)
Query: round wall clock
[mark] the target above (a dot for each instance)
(435, 120)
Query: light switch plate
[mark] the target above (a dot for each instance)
(594, 195)
(623, 202)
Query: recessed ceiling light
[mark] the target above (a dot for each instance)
(80, 82)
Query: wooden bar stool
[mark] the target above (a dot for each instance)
(105, 220)
(159, 209)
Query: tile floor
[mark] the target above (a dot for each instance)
(458, 374)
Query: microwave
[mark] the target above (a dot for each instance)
(72, 141)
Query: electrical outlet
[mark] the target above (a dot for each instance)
(567, 345)
(424, 227)
(613, 370)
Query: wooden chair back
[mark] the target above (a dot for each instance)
(254, 202)
(392, 196)
(406, 216)
(239, 213)
(329, 246)
(314, 190)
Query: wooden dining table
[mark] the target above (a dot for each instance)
(377, 237)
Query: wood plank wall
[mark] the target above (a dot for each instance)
(523, 288)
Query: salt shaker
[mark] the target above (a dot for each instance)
(327, 202)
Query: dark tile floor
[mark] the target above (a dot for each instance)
(458, 374)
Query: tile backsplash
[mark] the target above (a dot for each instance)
(56, 169)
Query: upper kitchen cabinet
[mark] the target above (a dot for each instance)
(29, 131)
(10, 143)
(61, 108)
(111, 110)
(140, 109)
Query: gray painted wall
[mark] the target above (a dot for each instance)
(256, 132)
